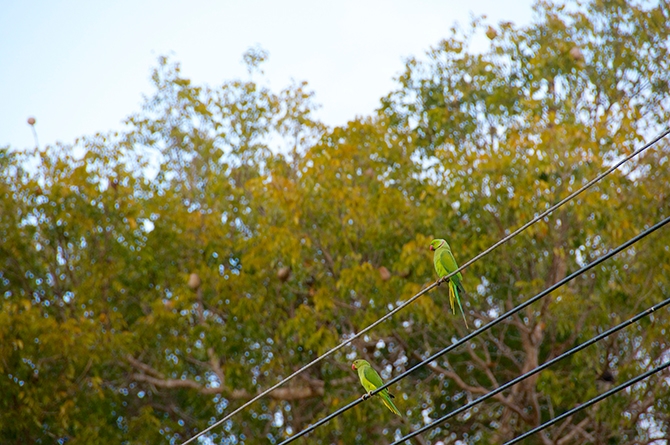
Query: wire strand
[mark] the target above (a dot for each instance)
(593, 401)
(479, 331)
(534, 371)
(431, 286)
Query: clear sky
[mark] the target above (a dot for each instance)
(81, 66)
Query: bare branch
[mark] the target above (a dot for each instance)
(288, 393)
(143, 367)
(577, 429)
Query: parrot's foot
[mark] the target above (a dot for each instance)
(366, 396)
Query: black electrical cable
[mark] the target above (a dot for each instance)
(593, 401)
(537, 218)
(484, 328)
(534, 371)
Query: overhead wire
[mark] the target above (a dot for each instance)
(404, 304)
(484, 328)
(534, 371)
(591, 402)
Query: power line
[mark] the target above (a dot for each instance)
(479, 331)
(534, 371)
(431, 286)
(593, 401)
(401, 306)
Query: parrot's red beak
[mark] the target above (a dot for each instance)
(353, 366)
(431, 247)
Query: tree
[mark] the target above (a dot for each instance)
(510, 132)
(156, 279)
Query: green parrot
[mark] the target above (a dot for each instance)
(371, 381)
(444, 265)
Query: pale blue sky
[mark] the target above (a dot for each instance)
(81, 66)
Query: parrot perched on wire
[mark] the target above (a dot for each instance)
(444, 265)
(371, 381)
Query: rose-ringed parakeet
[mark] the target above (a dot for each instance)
(371, 381)
(444, 265)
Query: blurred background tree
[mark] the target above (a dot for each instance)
(154, 280)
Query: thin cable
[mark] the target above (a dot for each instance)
(534, 371)
(425, 290)
(593, 401)
(485, 327)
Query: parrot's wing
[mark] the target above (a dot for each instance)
(447, 260)
(372, 376)
(439, 266)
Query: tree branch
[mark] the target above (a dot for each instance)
(577, 429)
(151, 376)
(143, 367)
(472, 389)
(289, 393)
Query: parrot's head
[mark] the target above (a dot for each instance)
(437, 243)
(358, 363)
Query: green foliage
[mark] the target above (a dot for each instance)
(152, 281)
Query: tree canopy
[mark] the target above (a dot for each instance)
(155, 279)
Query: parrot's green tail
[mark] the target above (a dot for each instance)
(386, 398)
(453, 295)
